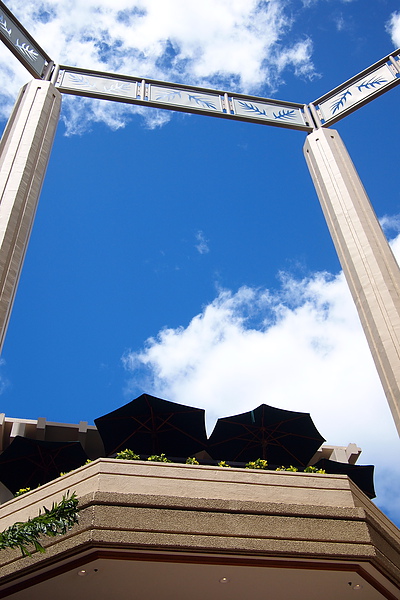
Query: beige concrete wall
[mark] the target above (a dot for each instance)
(107, 476)
(131, 506)
(24, 153)
(368, 263)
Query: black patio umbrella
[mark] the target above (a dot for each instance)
(361, 475)
(150, 425)
(282, 437)
(29, 463)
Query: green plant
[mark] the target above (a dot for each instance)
(291, 468)
(314, 470)
(260, 463)
(22, 491)
(71, 471)
(159, 458)
(192, 461)
(127, 455)
(223, 463)
(55, 521)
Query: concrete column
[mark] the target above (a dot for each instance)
(368, 263)
(24, 153)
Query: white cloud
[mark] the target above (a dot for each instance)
(224, 43)
(78, 113)
(393, 28)
(308, 3)
(299, 348)
(202, 243)
(390, 223)
(340, 23)
(4, 382)
(299, 56)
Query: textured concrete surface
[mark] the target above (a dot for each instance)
(24, 153)
(214, 484)
(371, 270)
(135, 506)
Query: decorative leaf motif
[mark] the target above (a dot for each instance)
(371, 83)
(3, 25)
(340, 102)
(285, 114)
(169, 96)
(27, 50)
(202, 101)
(118, 88)
(252, 108)
(81, 80)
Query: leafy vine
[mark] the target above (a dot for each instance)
(55, 521)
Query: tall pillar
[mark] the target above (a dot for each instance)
(368, 263)
(24, 153)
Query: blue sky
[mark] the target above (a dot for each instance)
(186, 256)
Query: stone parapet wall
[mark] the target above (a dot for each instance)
(136, 506)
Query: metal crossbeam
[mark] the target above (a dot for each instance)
(359, 90)
(327, 110)
(171, 96)
(22, 44)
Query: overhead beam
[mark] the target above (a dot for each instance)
(359, 90)
(184, 98)
(22, 44)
